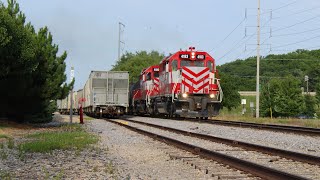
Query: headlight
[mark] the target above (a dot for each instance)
(212, 95)
(184, 95)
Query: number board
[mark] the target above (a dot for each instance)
(184, 56)
(201, 56)
(155, 69)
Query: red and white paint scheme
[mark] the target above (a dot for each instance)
(189, 86)
(146, 90)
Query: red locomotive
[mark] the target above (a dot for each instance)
(184, 84)
(146, 89)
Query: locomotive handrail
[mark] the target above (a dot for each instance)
(220, 89)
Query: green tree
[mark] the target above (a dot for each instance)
(282, 97)
(30, 69)
(318, 94)
(48, 79)
(309, 105)
(17, 57)
(231, 97)
(267, 97)
(297, 64)
(134, 63)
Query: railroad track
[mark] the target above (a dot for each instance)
(273, 127)
(307, 165)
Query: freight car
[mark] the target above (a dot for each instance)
(184, 84)
(65, 104)
(106, 94)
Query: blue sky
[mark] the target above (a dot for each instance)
(88, 30)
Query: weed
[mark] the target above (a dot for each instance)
(71, 137)
(95, 169)
(88, 118)
(109, 168)
(71, 128)
(1, 145)
(10, 143)
(46, 173)
(21, 153)
(5, 175)
(283, 121)
(3, 155)
(2, 126)
(128, 177)
(78, 152)
(3, 136)
(59, 175)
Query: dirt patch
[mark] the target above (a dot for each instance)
(15, 130)
(12, 129)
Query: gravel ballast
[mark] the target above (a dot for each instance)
(293, 142)
(298, 168)
(139, 157)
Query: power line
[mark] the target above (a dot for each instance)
(228, 34)
(310, 30)
(281, 7)
(234, 47)
(291, 59)
(298, 12)
(285, 6)
(244, 42)
(297, 23)
(297, 42)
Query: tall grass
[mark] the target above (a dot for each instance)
(3, 136)
(68, 137)
(248, 116)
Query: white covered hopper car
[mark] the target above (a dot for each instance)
(105, 93)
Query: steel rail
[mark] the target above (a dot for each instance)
(314, 160)
(274, 127)
(252, 168)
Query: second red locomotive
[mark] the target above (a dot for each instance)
(184, 84)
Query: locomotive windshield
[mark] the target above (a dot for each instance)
(156, 74)
(191, 63)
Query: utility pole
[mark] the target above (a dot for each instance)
(258, 63)
(71, 94)
(306, 78)
(121, 25)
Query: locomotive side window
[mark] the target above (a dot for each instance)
(209, 65)
(148, 76)
(164, 66)
(174, 65)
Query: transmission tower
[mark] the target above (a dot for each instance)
(120, 41)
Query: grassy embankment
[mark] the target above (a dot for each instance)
(248, 116)
(66, 137)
